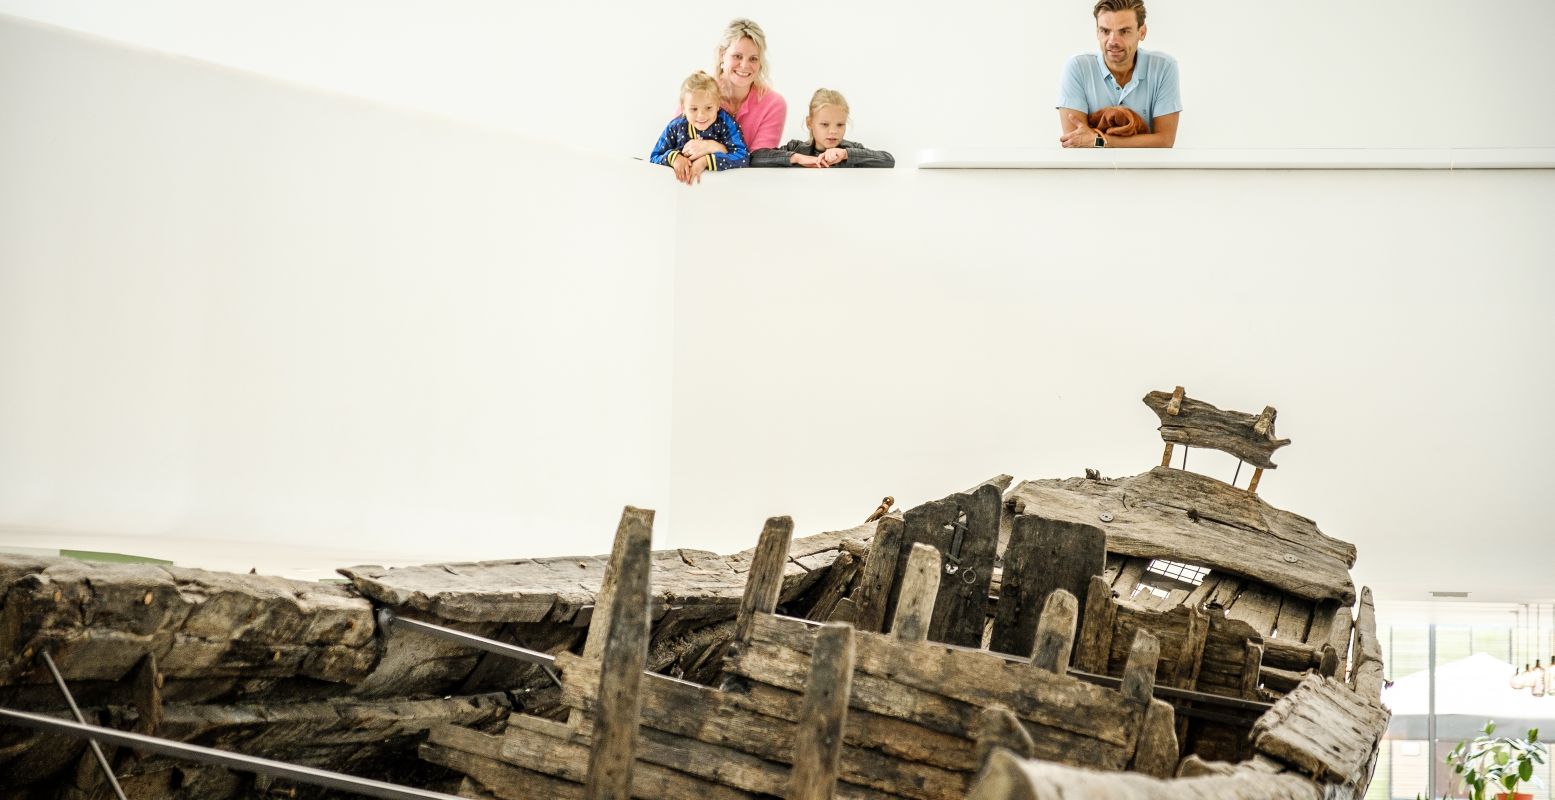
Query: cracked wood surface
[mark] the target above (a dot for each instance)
(1249, 437)
(1229, 530)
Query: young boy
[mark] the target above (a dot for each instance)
(685, 144)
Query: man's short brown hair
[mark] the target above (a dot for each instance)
(1136, 6)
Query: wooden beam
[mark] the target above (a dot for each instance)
(877, 586)
(1199, 424)
(818, 737)
(1043, 555)
(623, 653)
(764, 582)
(1096, 630)
(1252, 667)
(1055, 632)
(915, 601)
(1156, 753)
(1139, 672)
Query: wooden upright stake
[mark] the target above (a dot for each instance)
(624, 652)
(1166, 455)
(1252, 670)
(818, 736)
(1139, 672)
(1055, 632)
(1252, 486)
(764, 581)
(1096, 629)
(915, 602)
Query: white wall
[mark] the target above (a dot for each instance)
(1325, 73)
(236, 309)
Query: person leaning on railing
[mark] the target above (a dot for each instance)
(1121, 74)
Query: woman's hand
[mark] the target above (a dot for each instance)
(696, 148)
(800, 160)
(833, 156)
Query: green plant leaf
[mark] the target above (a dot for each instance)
(1525, 770)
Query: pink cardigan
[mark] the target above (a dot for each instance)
(761, 118)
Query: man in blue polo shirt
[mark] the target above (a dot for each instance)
(1120, 75)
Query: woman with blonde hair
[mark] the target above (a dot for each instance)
(740, 67)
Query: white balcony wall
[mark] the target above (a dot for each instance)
(237, 309)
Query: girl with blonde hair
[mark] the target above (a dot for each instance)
(827, 122)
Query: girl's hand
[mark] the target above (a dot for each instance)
(833, 156)
(805, 161)
(683, 169)
(697, 168)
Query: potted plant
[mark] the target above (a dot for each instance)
(1497, 764)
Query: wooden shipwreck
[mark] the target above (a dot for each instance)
(1163, 635)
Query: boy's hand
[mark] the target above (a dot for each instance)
(697, 168)
(804, 160)
(833, 156)
(683, 169)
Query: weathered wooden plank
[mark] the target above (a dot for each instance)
(1294, 619)
(1199, 424)
(881, 753)
(997, 726)
(1055, 632)
(1190, 656)
(1201, 593)
(962, 605)
(622, 655)
(1367, 664)
(876, 593)
(1043, 555)
(764, 581)
(1190, 518)
(1259, 606)
(919, 593)
(1339, 636)
(1322, 627)
(1225, 592)
(834, 587)
(845, 611)
(1008, 777)
(1156, 753)
(1129, 575)
(479, 756)
(818, 741)
(1139, 672)
(1095, 639)
(1323, 728)
(555, 749)
(919, 688)
(1251, 670)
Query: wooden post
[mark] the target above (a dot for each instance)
(1096, 627)
(1139, 672)
(1191, 657)
(1328, 663)
(1043, 555)
(961, 609)
(1155, 753)
(1174, 405)
(915, 601)
(1366, 659)
(764, 581)
(997, 727)
(1252, 668)
(1265, 421)
(818, 736)
(1055, 632)
(874, 592)
(1166, 455)
(635, 523)
(624, 652)
(1252, 485)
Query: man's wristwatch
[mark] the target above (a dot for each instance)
(1100, 142)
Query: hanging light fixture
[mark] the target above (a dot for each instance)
(1520, 677)
(1537, 676)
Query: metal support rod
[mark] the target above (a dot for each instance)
(70, 700)
(264, 766)
(1239, 474)
(1184, 457)
(388, 619)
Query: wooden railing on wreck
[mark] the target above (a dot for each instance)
(810, 710)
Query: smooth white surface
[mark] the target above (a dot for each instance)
(238, 310)
(1287, 158)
